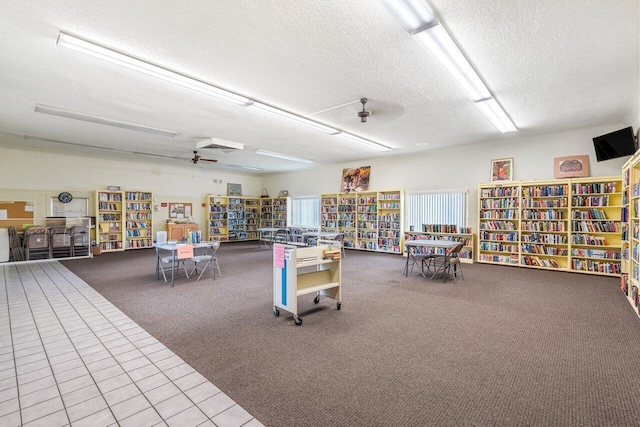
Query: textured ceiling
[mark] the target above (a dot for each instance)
(552, 65)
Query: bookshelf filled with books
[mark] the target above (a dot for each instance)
(499, 223)
(110, 222)
(138, 217)
(233, 218)
(370, 221)
(569, 225)
(630, 218)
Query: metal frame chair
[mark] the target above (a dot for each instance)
(61, 242)
(211, 261)
(36, 243)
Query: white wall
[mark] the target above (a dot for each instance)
(457, 168)
(36, 176)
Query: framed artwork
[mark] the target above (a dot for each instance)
(355, 179)
(571, 167)
(179, 210)
(234, 189)
(502, 169)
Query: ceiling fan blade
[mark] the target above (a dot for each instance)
(207, 160)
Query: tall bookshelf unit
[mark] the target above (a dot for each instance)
(266, 213)
(367, 221)
(110, 223)
(499, 223)
(390, 221)
(233, 218)
(630, 279)
(544, 234)
(217, 221)
(568, 225)
(281, 212)
(138, 217)
(329, 212)
(370, 221)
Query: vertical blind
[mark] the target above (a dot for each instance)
(436, 208)
(306, 211)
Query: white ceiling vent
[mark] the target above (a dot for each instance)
(219, 144)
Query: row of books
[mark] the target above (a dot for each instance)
(596, 187)
(556, 203)
(548, 214)
(545, 191)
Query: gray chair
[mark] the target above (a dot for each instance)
(167, 263)
(36, 243)
(61, 242)
(209, 259)
(454, 260)
(340, 238)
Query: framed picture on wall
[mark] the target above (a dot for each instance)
(234, 189)
(355, 179)
(571, 167)
(502, 169)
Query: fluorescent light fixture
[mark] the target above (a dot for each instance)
(366, 142)
(107, 54)
(413, 15)
(219, 144)
(54, 111)
(251, 168)
(282, 156)
(294, 118)
(439, 44)
(496, 114)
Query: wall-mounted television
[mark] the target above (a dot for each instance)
(615, 144)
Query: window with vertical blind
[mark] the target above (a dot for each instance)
(306, 211)
(436, 208)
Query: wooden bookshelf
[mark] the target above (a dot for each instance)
(110, 224)
(370, 220)
(266, 212)
(281, 213)
(234, 219)
(217, 222)
(544, 225)
(138, 219)
(630, 235)
(499, 223)
(567, 225)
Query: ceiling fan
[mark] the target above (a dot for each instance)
(364, 113)
(197, 158)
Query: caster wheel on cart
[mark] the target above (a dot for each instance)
(297, 321)
(316, 299)
(276, 312)
(338, 305)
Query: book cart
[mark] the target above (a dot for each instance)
(300, 271)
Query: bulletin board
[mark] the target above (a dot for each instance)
(16, 214)
(180, 210)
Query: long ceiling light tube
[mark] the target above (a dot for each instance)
(413, 15)
(100, 52)
(293, 118)
(441, 47)
(366, 142)
(282, 156)
(55, 111)
(496, 114)
(94, 50)
(423, 24)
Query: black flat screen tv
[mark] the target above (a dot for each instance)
(615, 144)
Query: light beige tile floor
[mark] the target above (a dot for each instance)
(70, 357)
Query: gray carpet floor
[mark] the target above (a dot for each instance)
(505, 347)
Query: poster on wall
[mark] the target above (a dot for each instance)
(571, 166)
(355, 179)
(502, 169)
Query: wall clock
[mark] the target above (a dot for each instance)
(65, 197)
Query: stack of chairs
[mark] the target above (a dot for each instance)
(17, 252)
(36, 243)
